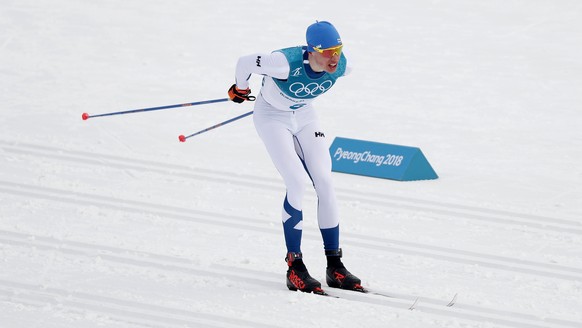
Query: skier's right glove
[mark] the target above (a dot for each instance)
(239, 95)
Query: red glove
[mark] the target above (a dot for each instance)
(239, 95)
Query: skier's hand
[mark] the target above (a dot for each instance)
(239, 95)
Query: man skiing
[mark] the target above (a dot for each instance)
(288, 126)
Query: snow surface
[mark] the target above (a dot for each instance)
(112, 222)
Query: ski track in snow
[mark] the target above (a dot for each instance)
(391, 201)
(253, 224)
(142, 313)
(161, 316)
(123, 310)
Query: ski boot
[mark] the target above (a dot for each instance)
(336, 274)
(297, 276)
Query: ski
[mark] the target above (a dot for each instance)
(417, 299)
(318, 291)
(362, 290)
(413, 306)
(326, 295)
(321, 292)
(453, 301)
(415, 302)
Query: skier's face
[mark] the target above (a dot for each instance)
(319, 62)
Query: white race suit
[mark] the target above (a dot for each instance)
(288, 126)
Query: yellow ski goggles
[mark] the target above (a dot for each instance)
(330, 52)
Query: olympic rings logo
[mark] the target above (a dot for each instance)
(312, 89)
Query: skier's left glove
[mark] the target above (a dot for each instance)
(239, 95)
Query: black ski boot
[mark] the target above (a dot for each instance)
(337, 276)
(297, 276)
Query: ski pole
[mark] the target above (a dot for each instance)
(183, 138)
(86, 116)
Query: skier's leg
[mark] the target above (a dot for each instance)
(279, 143)
(313, 148)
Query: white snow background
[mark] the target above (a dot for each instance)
(111, 222)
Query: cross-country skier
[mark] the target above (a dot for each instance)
(288, 125)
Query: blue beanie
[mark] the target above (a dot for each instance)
(322, 35)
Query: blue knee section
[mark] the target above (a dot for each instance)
(292, 235)
(330, 238)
